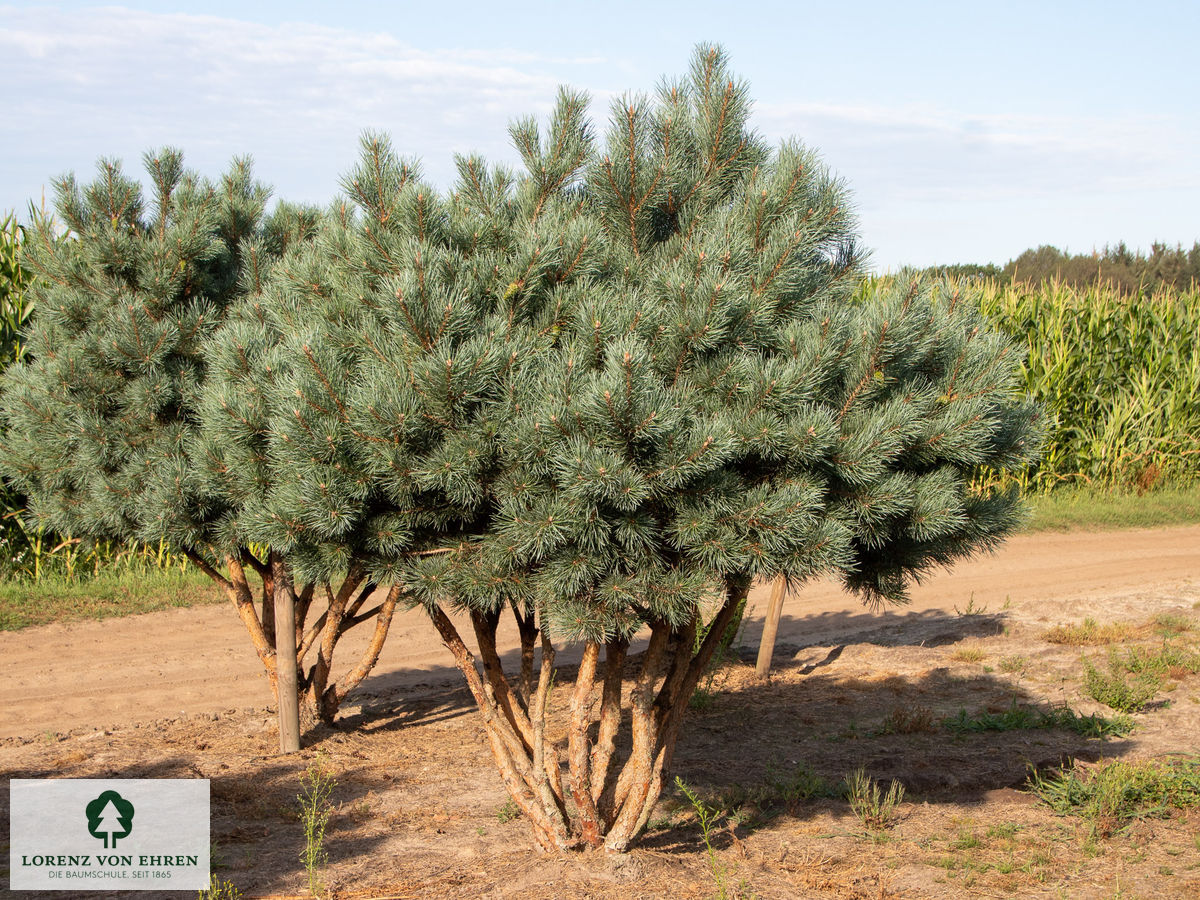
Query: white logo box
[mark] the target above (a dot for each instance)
(108, 833)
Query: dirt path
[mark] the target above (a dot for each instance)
(96, 674)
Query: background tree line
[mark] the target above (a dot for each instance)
(1117, 266)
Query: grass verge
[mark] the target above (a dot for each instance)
(1087, 510)
(25, 603)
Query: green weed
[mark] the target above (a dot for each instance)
(1167, 660)
(1003, 830)
(1172, 624)
(1116, 690)
(1111, 795)
(1149, 668)
(966, 840)
(971, 610)
(1013, 665)
(508, 812)
(315, 799)
(1020, 718)
(219, 890)
(707, 817)
(796, 786)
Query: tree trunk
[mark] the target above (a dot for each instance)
(670, 706)
(321, 695)
(610, 723)
(506, 745)
(579, 758)
(527, 628)
(605, 804)
(336, 693)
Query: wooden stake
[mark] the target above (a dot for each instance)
(771, 627)
(286, 696)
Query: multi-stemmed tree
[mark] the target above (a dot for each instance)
(101, 420)
(607, 393)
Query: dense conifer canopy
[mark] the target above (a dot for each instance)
(605, 384)
(98, 420)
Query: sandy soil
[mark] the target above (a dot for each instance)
(420, 810)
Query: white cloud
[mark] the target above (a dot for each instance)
(115, 81)
(922, 153)
(937, 185)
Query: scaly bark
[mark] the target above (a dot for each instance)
(485, 625)
(604, 806)
(610, 722)
(578, 757)
(318, 678)
(633, 783)
(528, 630)
(668, 712)
(547, 773)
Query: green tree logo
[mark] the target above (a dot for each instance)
(110, 816)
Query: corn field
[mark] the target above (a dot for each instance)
(17, 545)
(1118, 375)
(34, 555)
(15, 309)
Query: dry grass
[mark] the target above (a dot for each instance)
(969, 654)
(909, 720)
(1090, 633)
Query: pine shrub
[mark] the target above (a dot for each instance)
(606, 393)
(603, 393)
(100, 422)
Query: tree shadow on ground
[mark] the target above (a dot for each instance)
(441, 698)
(753, 738)
(756, 748)
(890, 627)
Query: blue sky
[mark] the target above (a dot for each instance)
(967, 131)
